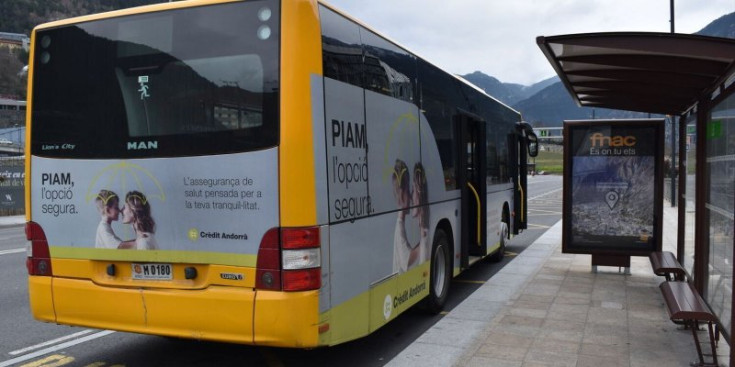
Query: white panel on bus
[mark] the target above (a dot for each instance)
(347, 166)
(222, 203)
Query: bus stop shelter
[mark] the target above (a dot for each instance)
(690, 78)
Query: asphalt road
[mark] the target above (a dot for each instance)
(29, 343)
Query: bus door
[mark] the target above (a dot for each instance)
(526, 145)
(518, 172)
(471, 180)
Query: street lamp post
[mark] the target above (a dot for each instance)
(672, 15)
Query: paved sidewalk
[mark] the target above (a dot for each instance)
(15, 220)
(546, 308)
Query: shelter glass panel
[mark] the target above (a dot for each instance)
(720, 207)
(671, 160)
(690, 194)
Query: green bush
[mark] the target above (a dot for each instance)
(549, 162)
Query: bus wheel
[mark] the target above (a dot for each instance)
(498, 255)
(441, 273)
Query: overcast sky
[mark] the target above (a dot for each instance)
(498, 37)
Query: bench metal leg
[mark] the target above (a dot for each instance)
(694, 325)
(712, 342)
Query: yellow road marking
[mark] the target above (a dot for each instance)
(51, 361)
(469, 281)
(510, 253)
(539, 226)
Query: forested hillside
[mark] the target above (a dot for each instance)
(20, 16)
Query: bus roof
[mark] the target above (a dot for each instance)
(131, 11)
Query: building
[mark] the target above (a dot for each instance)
(15, 40)
(12, 113)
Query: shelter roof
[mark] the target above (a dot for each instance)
(662, 73)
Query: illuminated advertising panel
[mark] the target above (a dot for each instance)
(613, 186)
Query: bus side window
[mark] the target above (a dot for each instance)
(491, 153)
(389, 69)
(341, 48)
(439, 93)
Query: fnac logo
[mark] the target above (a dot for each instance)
(603, 141)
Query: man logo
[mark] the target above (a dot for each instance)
(142, 145)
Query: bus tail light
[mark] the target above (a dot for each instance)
(268, 268)
(302, 280)
(301, 255)
(39, 256)
(289, 259)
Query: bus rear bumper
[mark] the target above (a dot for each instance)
(217, 313)
(41, 301)
(287, 319)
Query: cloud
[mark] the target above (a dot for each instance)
(498, 37)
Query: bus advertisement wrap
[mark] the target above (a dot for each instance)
(185, 204)
(611, 181)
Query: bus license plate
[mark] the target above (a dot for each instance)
(152, 271)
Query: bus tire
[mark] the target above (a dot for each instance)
(440, 273)
(500, 254)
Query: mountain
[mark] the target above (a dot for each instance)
(553, 104)
(507, 93)
(533, 89)
(544, 104)
(722, 27)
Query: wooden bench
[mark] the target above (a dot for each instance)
(684, 303)
(664, 264)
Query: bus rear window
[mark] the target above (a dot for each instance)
(194, 81)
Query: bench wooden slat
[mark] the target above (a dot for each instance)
(684, 303)
(664, 263)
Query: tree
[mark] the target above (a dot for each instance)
(12, 85)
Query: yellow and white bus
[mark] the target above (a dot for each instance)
(260, 172)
